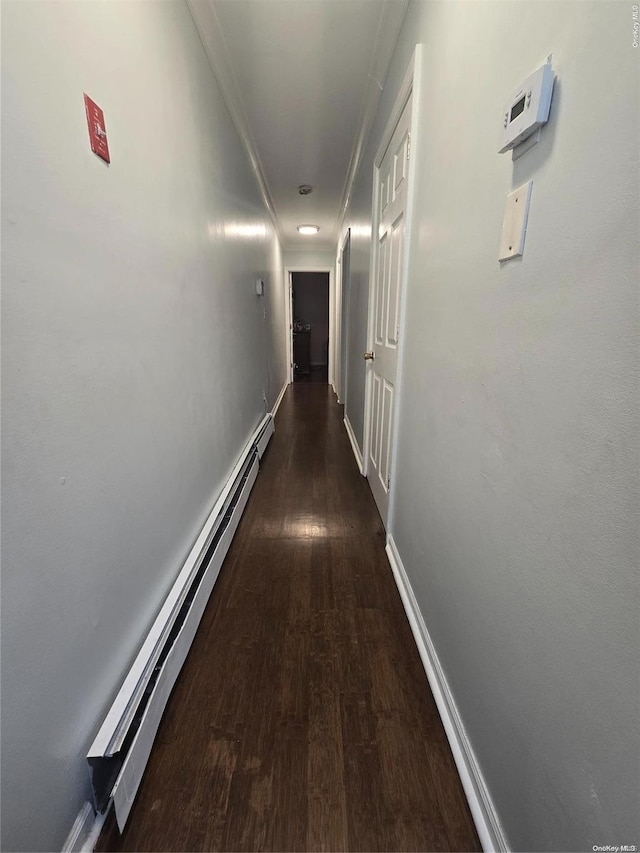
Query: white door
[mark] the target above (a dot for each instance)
(387, 295)
(345, 273)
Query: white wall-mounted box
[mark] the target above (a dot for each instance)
(527, 109)
(514, 226)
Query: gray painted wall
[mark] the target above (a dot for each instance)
(134, 357)
(310, 259)
(360, 216)
(516, 478)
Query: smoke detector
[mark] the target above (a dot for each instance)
(305, 189)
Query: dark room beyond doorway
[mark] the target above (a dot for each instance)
(310, 311)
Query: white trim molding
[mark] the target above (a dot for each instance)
(310, 267)
(81, 831)
(276, 405)
(392, 17)
(208, 26)
(354, 444)
(90, 844)
(410, 88)
(483, 811)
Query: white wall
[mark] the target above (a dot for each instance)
(135, 354)
(516, 479)
(309, 260)
(275, 305)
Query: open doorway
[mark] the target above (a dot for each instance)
(310, 326)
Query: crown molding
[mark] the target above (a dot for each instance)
(213, 40)
(391, 20)
(208, 26)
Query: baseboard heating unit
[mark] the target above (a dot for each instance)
(119, 754)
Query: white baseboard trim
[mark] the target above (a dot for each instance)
(80, 832)
(483, 811)
(279, 400)
(354, 444)
(92, 839)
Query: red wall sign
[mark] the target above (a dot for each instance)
(97, 130)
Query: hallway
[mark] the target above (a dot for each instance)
(302, 719)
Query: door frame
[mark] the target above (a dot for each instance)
(343, 360)
(288, 283)
(410, 87)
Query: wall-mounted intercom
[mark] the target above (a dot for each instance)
(527, 109)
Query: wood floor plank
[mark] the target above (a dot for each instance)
(302, 719)
(448, 788)
(289, 819)
(326, 798)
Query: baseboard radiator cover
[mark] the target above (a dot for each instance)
(119, 754)
(264, 433)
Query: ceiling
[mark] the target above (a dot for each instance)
(302, 79)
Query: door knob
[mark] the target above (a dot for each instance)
(369, 356)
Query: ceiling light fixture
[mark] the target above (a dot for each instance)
(308, 229)
(305, 189)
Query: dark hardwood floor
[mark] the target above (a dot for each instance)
(302, 719)
(318, 373)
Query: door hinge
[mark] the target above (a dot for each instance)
(388, 483)
(408, 145)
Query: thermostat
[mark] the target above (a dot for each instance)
(528, 108)
(259, 287)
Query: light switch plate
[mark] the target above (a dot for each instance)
(514, 226)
